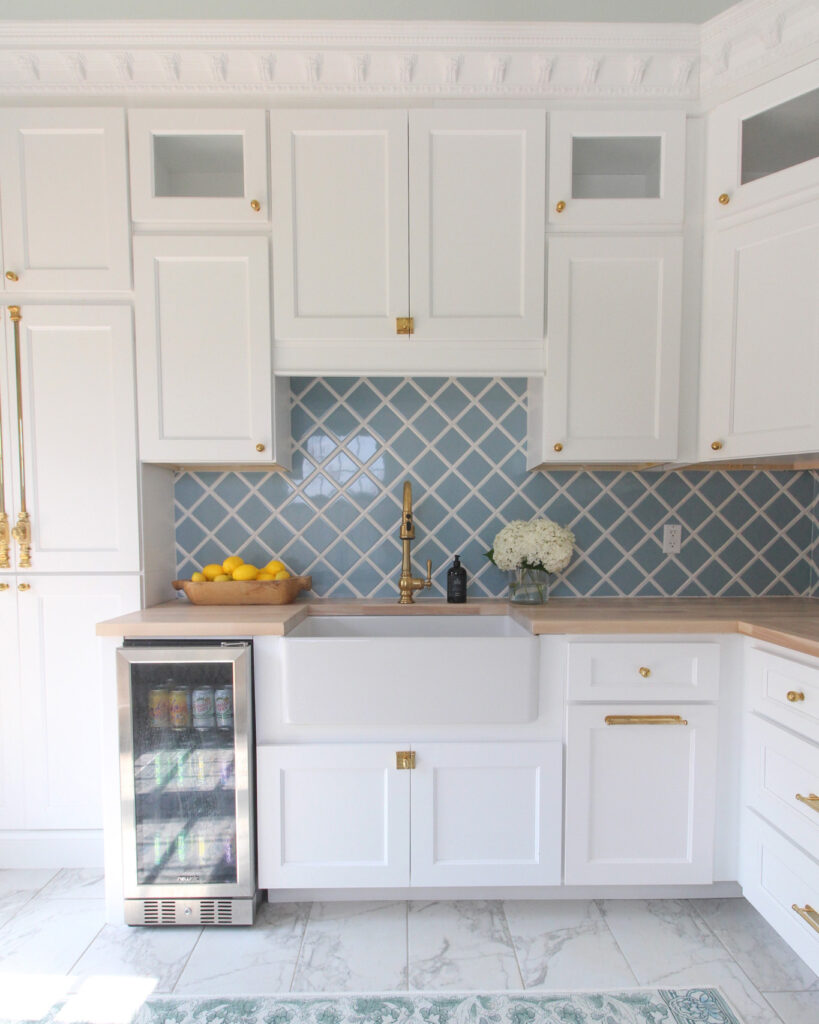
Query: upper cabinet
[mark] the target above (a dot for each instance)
(198, 165)
(64, 200)
(764, 145)
(618, 168)
(394, 230)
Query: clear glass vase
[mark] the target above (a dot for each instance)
(529, 586)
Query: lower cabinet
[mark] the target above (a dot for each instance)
(640, 794)
(346, 815)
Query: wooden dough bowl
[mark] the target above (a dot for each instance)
(245, 591)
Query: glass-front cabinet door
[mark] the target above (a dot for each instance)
(185, 759)
(616, 168)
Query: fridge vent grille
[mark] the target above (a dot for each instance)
(159, 912)
(216, 912)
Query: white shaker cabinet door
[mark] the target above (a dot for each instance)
(613, 354)
(640, 798)
(759, 382)
(79, 432)
(332, 816)
(487, 814)
(340, 224)
(477, 215)
(206, 392)
(61, 693)
(12, 748)
(64, 200)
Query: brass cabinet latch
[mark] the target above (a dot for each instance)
(404, 759)
(404, 325)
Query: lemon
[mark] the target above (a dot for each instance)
(221, 577)
(264, 576)
(198, 577)
(210, 572)
(245, 571)
(232, 563)
(283, 575)
(274, 567)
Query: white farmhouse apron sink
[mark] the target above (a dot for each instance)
(403, 670)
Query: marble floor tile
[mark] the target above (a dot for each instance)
(795, 1007)
(157, 953)
(354, 947)
(462, 944)
(49, 936)
(565, 945)
(18, 886)
(765, 957)
(75, 884)
(248, 961)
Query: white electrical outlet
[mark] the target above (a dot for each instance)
(672, 539)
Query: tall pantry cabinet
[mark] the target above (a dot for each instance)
(69, 545)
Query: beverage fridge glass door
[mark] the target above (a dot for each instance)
(185, 770)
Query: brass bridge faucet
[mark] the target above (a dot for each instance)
(408, 583)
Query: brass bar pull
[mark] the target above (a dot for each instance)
(807, 913)
(404, 759)
(22, 529)
(645, 720)
(812, 801)
(5, 533)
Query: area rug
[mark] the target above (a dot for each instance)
(643, 1006)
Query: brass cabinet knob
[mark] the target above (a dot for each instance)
(724, 199)
(794, 696)
(645, 672)
(255, 205)
(558, 447)
(260, 447)
(560, 207)
(716, 446)
(4, 586)
(11, 276)
(24, 586)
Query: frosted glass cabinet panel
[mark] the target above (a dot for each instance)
(616, 168)
(198, 165)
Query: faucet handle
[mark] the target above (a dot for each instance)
(428, 580)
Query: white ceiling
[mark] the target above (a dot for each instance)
(691, 11)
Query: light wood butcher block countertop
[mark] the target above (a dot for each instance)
(791, 622)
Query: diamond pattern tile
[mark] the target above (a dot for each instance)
(462, 444)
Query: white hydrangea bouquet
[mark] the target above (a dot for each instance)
(533, 551)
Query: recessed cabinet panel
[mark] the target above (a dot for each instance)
(612, 361)
(64, 199)
(760, 355)
(12, 753)
(198, 165)
(623, 168)
(476, 209)
(340, 220)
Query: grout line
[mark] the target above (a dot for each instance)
(301, 945)
(97, 934)
(188, 958)
(406, 919)
(512, 942)
(604, 918)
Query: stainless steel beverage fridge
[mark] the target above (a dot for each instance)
(186, 777)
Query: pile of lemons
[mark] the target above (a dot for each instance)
(235, 568)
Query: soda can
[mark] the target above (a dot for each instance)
(203, 717)
(224, 708)
(159, 707)
(180, 709)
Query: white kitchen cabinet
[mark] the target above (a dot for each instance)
(759, 376)
(610, 393)
(12, 803)
(79, 437)
(198, 165)
(332, 815)
(64, 200)
(616, 168)
(205, 384)
(640, 798)
(486, 814)
(763, 146)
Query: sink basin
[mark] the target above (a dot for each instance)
(409, 670)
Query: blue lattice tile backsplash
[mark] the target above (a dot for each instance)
(462, 444)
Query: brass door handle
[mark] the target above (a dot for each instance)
(560, 206)
(645, 720)
(795, 696)
(24, 586)
(404, 759)
(807, 913)
(404, 325)
(557, 447)
(22, 529)
(4, 586)
(255, 205)
(716, 446)
(644, 672)
(11, 276)
(260, 447)
(724, 199)
(812, 801)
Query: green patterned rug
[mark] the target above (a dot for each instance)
(645, 1006)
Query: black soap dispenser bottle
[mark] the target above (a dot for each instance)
(456, 582)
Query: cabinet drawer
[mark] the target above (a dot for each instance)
(643, 671)
(776, 877)
(784, 766)
(786, 690)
